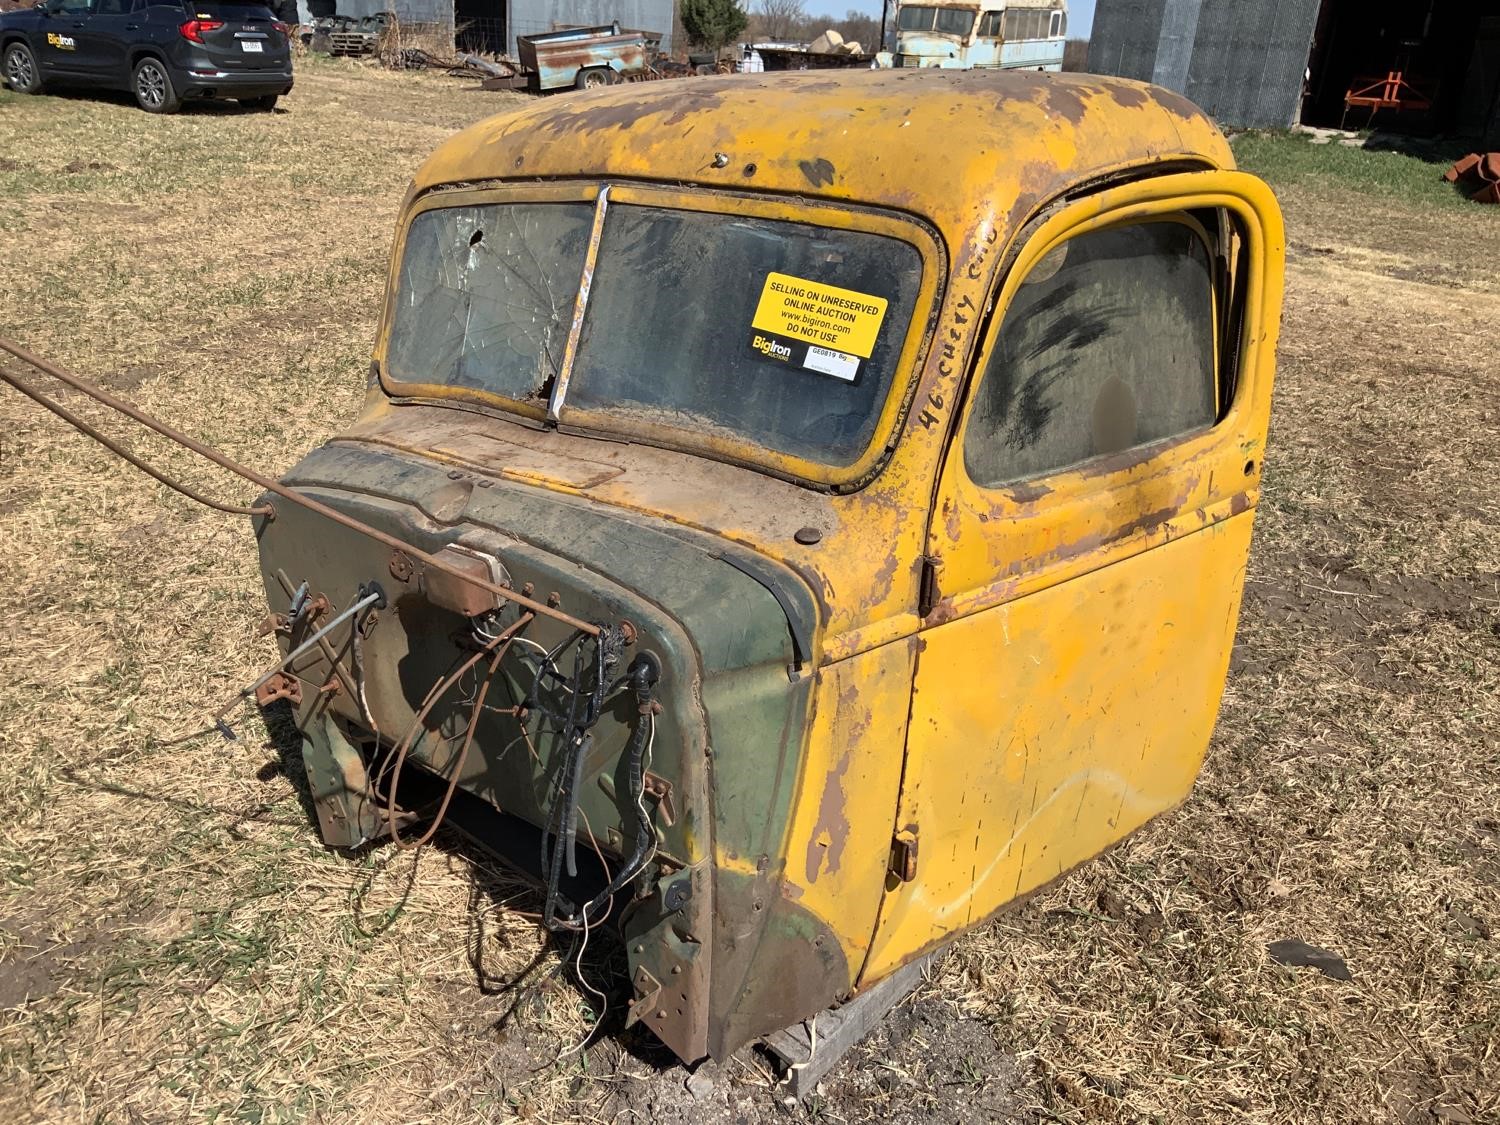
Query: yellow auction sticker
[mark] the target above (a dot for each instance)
(839, 319)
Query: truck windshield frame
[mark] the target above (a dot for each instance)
(802, 411)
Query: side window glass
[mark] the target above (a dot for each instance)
(112, 7)
(72, 8)
(1108, 344)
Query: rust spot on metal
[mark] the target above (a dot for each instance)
(1028, 492)
(817, 172)
(825, 850)
(280, 686)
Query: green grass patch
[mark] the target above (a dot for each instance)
(1286, 159)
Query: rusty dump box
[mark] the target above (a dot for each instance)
(792, 517)
(584, 57)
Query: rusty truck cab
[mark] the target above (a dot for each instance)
(885, 449)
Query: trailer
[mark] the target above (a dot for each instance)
(580, 58)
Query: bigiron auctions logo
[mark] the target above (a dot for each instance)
(771, 349)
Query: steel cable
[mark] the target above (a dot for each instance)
(267, 483)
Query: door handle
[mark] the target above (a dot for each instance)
(132, 27)
(77, 23)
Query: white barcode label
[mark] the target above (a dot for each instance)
(837, 364)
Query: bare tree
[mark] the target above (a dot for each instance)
(781, 19)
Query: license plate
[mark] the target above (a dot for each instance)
(252, 46)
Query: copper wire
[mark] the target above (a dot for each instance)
(499, 647)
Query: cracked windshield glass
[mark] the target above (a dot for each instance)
(486, 296)
(782, 334)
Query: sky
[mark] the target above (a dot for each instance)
(1080, 12)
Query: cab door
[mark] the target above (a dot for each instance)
(1087, 546)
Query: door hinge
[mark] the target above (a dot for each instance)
(929, 594)
(904, 854)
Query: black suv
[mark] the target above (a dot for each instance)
(162, 51)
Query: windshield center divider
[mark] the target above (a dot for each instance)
(580, 306)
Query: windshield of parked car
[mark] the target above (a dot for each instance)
(785, 335)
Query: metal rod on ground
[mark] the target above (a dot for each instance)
(125, 408)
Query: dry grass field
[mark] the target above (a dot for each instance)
(175, 945)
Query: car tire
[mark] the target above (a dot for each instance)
(593, 77)
(152, 86)
(21, 71)
(261, 105)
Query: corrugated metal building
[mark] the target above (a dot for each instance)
(1272, 63)
(492, 25)
(1241, 60)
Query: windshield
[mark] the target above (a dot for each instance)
(486, 296)
(784, 335)
(949, 21)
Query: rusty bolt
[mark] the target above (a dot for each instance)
(655, 707)
(554, 599)
(721, 159)
(401, 568)
(627, 631)
(676, 969)
(528, 589)
(367, 625)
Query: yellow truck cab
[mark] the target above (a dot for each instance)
(885, 447)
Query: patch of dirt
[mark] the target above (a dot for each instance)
(1331, 597)
(129, 378)
(74, 167)
(31, 969)
(16, 500)
(924, 1062)
(154, 530)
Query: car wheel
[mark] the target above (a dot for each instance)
(593, 77)
(21, 72)
(153, 87)
(262, 105)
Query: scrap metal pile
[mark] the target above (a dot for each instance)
(1478, 176)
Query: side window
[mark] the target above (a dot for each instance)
(111, 7)
(1108, 344)
(72, 8)
(954, 21)
(1022, 24)
(1059, 25)
(989, 25)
